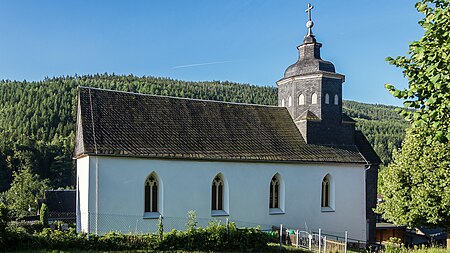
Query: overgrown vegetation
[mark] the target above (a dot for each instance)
(215, 237)
(37, 118)
(394, 245)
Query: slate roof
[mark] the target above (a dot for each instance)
(117, 123)
(307, 115)
(366, 149)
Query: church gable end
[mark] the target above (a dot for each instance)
(79, 140)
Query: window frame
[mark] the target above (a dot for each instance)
(152, 199)
(327, 194)
(280, 191)
(219, 196)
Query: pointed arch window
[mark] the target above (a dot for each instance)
(327, 198)
(289, 101)
(151, 194)
(325, 192)
(327, 98)
(276, 195)
(314, 99)
(282, 102)
(336, 99)
(217, 194)
(274, 199)
(301, 99)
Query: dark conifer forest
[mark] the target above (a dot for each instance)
(37, 119)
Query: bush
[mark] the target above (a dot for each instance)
(28, 226)
(212, 238)
(4, 218)
(43, 215)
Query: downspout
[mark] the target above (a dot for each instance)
(96, 195)
(368, 166)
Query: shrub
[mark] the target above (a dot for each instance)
(160, 228)
(4, 218)
(191, 223)
(43, 215)
(28, 226)
(215, 237)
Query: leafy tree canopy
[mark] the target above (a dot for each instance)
(428, 71)
(416, 185)
(26, 189)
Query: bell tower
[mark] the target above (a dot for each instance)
(311, 90)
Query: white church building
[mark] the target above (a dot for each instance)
(301, 163)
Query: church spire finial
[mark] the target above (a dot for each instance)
(310, 23)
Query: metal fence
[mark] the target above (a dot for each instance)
(320, 241)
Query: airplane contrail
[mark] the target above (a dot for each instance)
(200, 64)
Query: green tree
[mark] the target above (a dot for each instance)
(26, 189)
(416, 185)
(428, 71)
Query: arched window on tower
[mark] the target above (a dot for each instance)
(301, 99)
(336, 99)
(217, 194)
(289, 101)
(327, 98)
(282, 102)
(314, 99)
(151, 194)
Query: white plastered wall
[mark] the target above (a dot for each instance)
(186, 185)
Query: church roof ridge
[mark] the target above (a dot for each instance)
(173, 97)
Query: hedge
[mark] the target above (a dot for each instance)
(212, 238)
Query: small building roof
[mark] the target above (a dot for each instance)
(117, 123)
(60, 200)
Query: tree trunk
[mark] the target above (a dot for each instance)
(448, 238)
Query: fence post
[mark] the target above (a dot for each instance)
(346, 238)
(325, 244)
(297, 239)
(320, 239)
(310, 241)
(281, 236)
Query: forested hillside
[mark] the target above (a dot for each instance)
(37, 118)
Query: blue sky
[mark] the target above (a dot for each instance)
(245, 41)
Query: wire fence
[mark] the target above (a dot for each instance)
(141, 224)
(317, 240)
